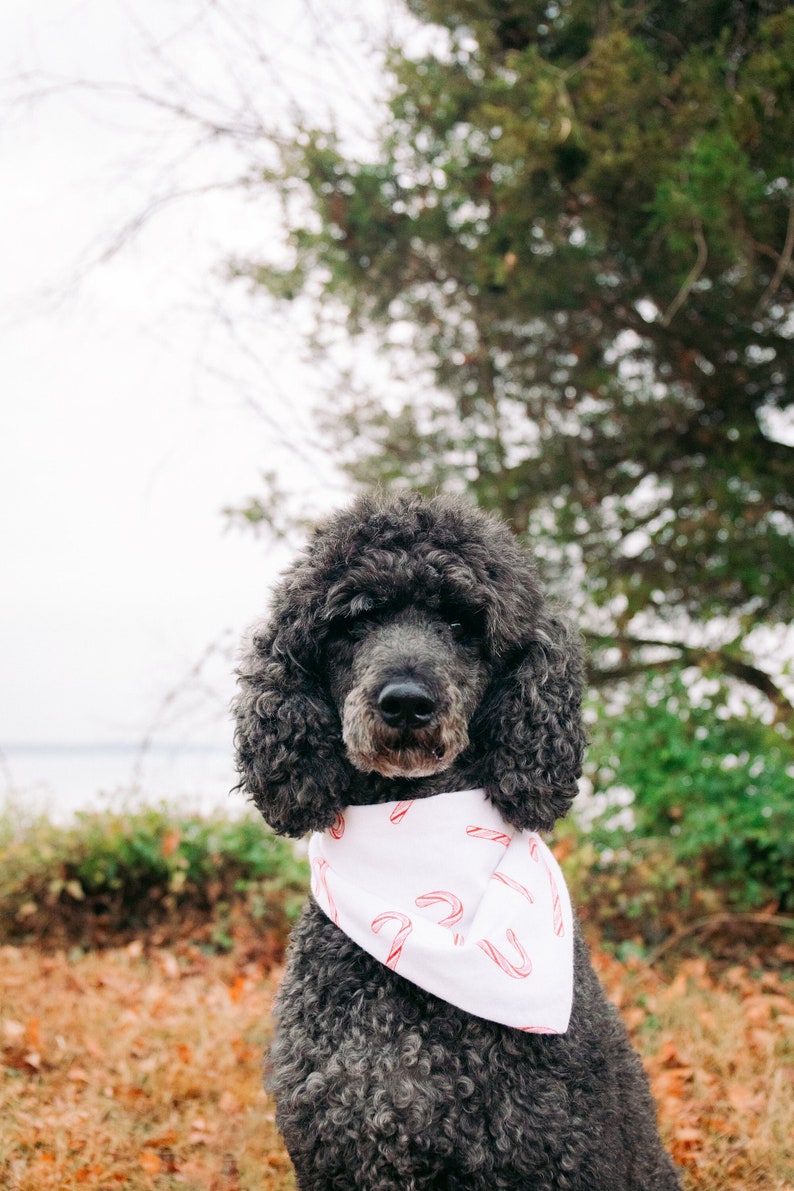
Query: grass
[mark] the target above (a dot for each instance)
(140, 963)
(136, 1070)
(140, 1067)
(113, 875)
(718, 1045)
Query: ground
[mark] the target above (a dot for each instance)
(139, 1067)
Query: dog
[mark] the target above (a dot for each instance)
(415, 702)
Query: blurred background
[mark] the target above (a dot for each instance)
(257, 256)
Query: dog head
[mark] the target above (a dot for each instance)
(409, 649)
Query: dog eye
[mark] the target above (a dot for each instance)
(468, 627)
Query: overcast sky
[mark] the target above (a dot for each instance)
(141, 395)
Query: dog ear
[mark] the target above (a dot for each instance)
(529, 730)
(288, 736)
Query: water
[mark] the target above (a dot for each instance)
(59, 780)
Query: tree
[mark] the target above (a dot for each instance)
(580, 218)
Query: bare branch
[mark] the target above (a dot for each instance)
(715, 922)
(705, 659)
(691, 280)
(783, 263)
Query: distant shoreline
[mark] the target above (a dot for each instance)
(118, 747)
(60, 777)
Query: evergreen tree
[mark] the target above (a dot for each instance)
(581, 215)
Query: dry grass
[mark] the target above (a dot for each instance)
(719, 1049)
(135, 1071)
(142, 1070)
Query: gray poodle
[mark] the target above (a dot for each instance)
(410, 652)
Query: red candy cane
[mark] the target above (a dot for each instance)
(498, 837)
(401, 810)
(556, 905)
(518, 971)
(442, 895)
(398, 942)
(321, 865)
(337, 828)
(511, 884)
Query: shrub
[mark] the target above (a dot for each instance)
(112, 873)
(717, 789)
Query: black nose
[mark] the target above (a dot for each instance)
(406, 704)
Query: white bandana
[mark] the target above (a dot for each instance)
(445, 893)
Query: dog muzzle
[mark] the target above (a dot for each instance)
(450, 897)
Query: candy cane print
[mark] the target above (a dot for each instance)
(337, 828)
(556, 908)
(511, 884)
(518, 971)
(498, 837)
(398, 942)
(556, 905)
(321, 865)
(442, 895)
(401, 810)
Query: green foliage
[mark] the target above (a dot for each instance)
(581, 216)
(116, 872)
(716, 789)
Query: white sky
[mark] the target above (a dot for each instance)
(140, 396)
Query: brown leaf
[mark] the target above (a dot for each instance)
(237, 988)
(169, 964)
(688, 1133)
(33, 1033)
(634, 1017)
(149, 1161)
(744, 1099)
(171, 842)
(14, 1031)
(87, 1174)
(162, 1140)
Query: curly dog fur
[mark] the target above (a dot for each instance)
(410, 650)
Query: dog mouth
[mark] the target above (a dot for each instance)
(403, 760)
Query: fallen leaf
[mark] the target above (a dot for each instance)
(170, 964)
(634, 1017)
(171, 841)
(162, 1140)
(744, 1099)
(688, 1133)
(87, 1174)
(149, 1161)
(237, 988)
